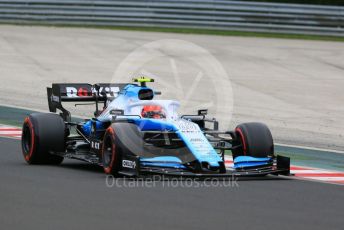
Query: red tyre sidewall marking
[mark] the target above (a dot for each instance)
(108, 169)
(28, 156)
(242, 139)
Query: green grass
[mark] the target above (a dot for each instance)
(316, 2)
(197, 31)
(232, 33)
(11, 123)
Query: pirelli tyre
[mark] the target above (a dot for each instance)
(121, 139)
(111, 152)
(253, 139)
(42, 134)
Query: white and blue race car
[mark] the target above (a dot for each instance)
(134, 134)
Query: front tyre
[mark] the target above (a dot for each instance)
(253, 139)
(42, 134)
(110, 152)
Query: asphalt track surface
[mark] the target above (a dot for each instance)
(74, 195)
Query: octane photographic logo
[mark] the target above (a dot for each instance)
(169, 182)
(185, 72)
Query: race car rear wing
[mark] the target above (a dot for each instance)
(80, 92)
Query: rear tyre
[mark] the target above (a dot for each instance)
(254, 139)
(43, 133)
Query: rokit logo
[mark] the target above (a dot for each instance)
(128, 164)
(84, 92)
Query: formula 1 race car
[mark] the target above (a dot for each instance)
(134, 135)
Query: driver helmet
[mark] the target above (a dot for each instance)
(153, 111)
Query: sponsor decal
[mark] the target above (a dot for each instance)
(117, 112)
(197, 140)
(84, 92)
(128, 164)
(194, 135)
(55, 98)
(185, 126)
(95, 145)
(71, 92)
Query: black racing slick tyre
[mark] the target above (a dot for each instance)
(120, 139)
(42, 134)
(110, 152)
(253, 139)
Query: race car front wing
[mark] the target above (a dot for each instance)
(133, 167)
